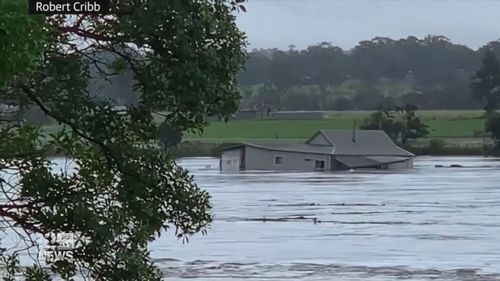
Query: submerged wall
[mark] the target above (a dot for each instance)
(263, 159)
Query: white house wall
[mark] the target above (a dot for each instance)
(263, 159)
(230, 160)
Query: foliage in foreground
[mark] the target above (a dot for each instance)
(22, 39)
(122, 192)
(169, 136)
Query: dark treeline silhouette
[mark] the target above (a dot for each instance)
(431, 73)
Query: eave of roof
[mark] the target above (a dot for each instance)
(236, 146)
(315, 149)
(296, 148)
(359, 161)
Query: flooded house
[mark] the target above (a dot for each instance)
(327, 150)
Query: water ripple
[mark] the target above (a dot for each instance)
(312, 271)
(424, 224)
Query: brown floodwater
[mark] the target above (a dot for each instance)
(424, 224)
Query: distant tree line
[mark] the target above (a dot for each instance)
(430, 73)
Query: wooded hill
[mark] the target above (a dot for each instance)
(431, 73)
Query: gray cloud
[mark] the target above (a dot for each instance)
(278, 23)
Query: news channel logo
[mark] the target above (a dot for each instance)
(57, 247)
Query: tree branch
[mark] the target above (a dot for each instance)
(107, 151)
(86, 34)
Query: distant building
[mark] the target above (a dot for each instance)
(252, 113)
(327, 150)
(301, 115)
(246, 114)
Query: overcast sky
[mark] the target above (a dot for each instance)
(279, 23)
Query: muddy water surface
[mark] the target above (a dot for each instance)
(425, 224)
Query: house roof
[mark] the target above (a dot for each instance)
(357, 161)
(366, 142)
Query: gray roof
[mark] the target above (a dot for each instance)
(357, 161)
(367, 143)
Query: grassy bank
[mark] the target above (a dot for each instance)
(206, 149)
(442, 124)
(461, 132)
(212, 149)
(199, 149)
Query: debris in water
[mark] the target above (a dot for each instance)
(451, 166)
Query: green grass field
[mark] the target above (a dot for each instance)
(442, 124)
(449, 124)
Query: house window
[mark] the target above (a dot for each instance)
(278, 160)
(319, 164)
